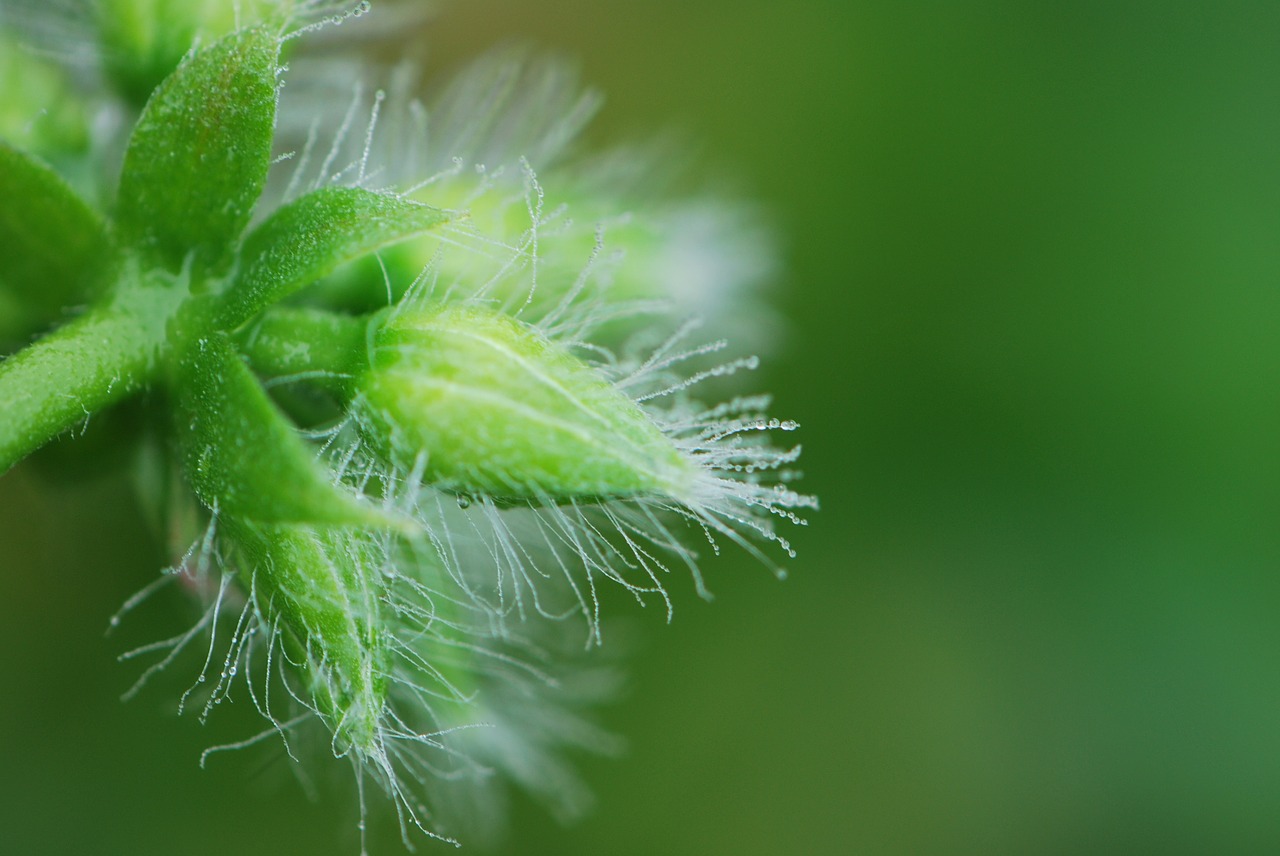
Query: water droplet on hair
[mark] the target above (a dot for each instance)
(464, 501)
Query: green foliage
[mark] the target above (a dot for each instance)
(311, 237)
(198, 157)
(52, 239)
(331, 457)
(244, 457)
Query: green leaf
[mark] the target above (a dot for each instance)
(243, 456)
(313, 236)
(198, 158)
(50, 237)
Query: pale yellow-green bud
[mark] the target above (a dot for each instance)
(490, 405)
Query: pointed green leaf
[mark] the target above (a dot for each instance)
(243, 456)
(50, 237)
(198, 158)
(313, 236)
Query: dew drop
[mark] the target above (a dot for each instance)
(464, 501)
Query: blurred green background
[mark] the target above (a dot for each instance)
(1032, 286)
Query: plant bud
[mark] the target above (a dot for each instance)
(489, 405)
(321, 588)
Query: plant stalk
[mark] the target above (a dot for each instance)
(108, 353)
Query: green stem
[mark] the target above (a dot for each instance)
(96, 360)
(325, 347)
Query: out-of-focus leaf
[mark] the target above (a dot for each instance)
(49, 236)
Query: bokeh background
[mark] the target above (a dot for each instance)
(1032, 271)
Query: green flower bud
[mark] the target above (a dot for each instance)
(492, 406)
(319, 587)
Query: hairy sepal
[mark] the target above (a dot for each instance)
(243, 457)
(313, 236)
(321, 589)
(199, 155)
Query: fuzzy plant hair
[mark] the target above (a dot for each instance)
(421, 377)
